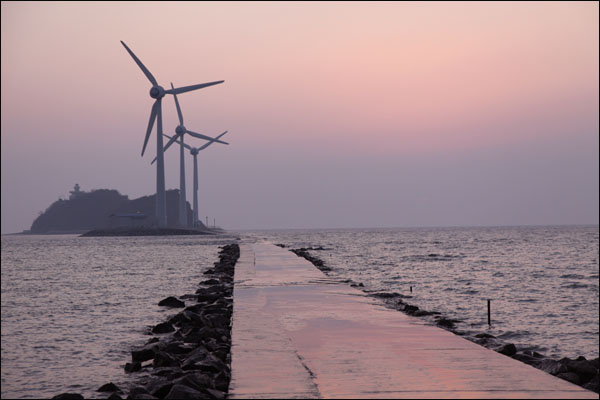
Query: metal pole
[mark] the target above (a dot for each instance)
(489, 314)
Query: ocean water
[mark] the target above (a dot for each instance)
(73, 307)
(542, 281)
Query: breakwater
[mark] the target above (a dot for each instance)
(300, 334)
(189, 354)
(542, 281)
(579, 371)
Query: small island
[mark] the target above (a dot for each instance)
(106, 212)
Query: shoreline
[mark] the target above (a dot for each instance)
(579, 371)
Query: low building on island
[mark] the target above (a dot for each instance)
(128, 220)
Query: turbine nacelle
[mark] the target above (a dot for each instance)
(157, 92)
(180, 130)
(194, 151)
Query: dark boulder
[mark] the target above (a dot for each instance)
(196, 380)
(159, 387)
(221, 381)
(171, 302)
(179, 348)
(108, 387)
(139, 392)
(552, 367)
(525, 358)
(114, 396)
(593, 384)
(178, 319)
(164, 359)
(133, 367)
(147, 352)
(508, 350)
(195, 318)
(179, 391)
(422, 313)
(445, 322)
(385, 295)
(68, 396)
(142, 396)
(583, 368)
(207, 295)
(410, 309)
(570, 376)
(216, 394)
(167, 372)
(163, 327)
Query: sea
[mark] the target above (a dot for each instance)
(74, 307)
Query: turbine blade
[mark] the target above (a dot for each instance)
(179, 142)
(173, 139)
(201, 136)
(209, 143)
(221, 135)
(192, 87)
(150, 125)
(142, 66)
(178, 108)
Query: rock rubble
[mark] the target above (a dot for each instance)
(188, 356)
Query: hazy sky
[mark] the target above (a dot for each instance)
(339, 114)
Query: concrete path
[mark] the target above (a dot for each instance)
(299, 334)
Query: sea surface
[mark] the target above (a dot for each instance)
(72, 308)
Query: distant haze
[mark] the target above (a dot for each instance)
(339, 114)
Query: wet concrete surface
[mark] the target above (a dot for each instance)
(299, 334)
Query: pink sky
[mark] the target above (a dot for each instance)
(310, 88)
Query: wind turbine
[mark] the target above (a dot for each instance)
(180, 131)
(157, 92)
(194, 151)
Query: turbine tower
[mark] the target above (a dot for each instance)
(194, 151)
(180, 131)
(157, 92)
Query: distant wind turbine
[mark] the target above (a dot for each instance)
(180, 131)
(194, 151)
(158, 92)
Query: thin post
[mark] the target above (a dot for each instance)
(489, 314)
(411, 289)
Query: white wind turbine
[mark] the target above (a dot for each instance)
(158, 92)
(194, 151)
